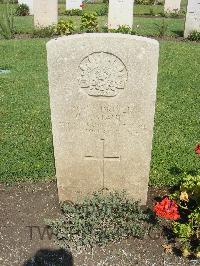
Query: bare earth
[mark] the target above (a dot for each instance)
(24, 239)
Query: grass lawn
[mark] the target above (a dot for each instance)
(25, 131)
(26, 144)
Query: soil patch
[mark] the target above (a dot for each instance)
(25, 240)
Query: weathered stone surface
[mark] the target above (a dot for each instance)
(192, 21)
(172, 6)
(45, 12)
(29, 3)
(120, 13)
(73, 4)
(102, 93)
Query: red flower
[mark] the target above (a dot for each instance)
(197, 149)
(167, 209)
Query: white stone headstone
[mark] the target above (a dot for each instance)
(172, 6)
(29, 3)
(73, 4)
(102, 94)
(120, 13)
(45, 12)
(192, 21)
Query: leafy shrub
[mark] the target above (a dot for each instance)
(43, 32)
(162, 28)
(159, 2)
(174, 14)
(144, 2)
(99, 220)
(7, 28)
(187, 229)
(64, 27)
(124, 29)
(74, 12)
(105, 28)
(8, 1)
(194, 36)
(163, 14)
(182, 12)
(89, 22)
(151, 12)
(102, 11)
(22, 10)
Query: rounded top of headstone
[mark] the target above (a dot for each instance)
(103, 35)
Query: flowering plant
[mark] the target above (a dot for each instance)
(197, 149)
(167, 209)
(182, 208)
(187, 229)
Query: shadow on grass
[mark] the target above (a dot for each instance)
(51, 257)
(179, 33)
(175, 171)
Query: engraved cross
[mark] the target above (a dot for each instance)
(103, 158)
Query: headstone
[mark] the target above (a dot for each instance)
(192, 21)
(120, 13)
(29, 3)
(45, 13)
(172, 6)
(102, 93)
(73, 4)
